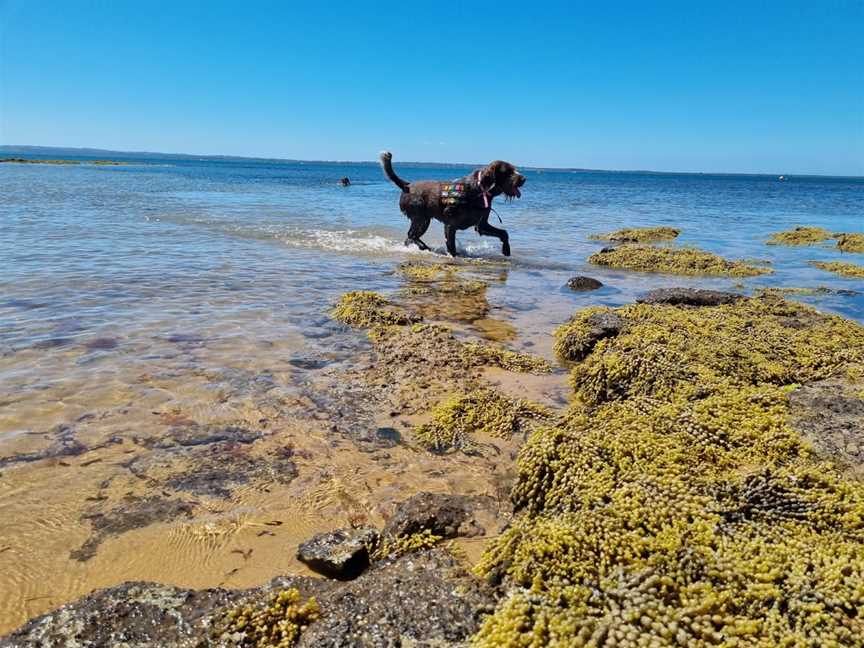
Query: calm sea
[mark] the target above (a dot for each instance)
(107, 273)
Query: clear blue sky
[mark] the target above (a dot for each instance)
(774, 87)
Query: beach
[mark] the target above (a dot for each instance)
(182, 405)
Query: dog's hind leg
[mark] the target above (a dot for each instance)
(485, 229)
(418, 228)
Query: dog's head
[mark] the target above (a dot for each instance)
(501, 177)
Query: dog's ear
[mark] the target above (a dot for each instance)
(488, 176)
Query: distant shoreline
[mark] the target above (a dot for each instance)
(60, 152)
(60, 162)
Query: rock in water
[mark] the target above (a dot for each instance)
(342, 554)
(689, 297)
(583, 284)
(447, 516)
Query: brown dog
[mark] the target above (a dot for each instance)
(459, 204)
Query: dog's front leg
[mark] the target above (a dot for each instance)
(485, 229)
(450, 237)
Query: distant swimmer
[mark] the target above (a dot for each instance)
(344, 181)
(782, 178)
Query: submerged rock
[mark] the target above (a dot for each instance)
(63, 444)
(194, 435)
(689, 297)
(447, 516)
(583, 284)
(134, 513)
(342, 554)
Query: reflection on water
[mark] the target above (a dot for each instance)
(169, 372)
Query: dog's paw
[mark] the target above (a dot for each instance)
(505, 249)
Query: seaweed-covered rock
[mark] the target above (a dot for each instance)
(800, 236)
(445, 516)
(851, 270)
(342, 554)
(479, 353)
(639, 235)
(689, 297)
(683, 261)
(364, 309)
(481, 411)
(575, 339)
(583, 284)
(676, 503)
(850, 242)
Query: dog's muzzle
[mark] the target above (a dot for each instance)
(517, 182)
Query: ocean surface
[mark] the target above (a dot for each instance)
(165, 293)
(112, 271)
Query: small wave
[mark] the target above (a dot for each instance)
(342, 241)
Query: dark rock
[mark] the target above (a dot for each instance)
(132, 614)
(601, 325)
(830, 414)
(64, 444)
(388, 435)
(134, 513)
(51, 343)
(421, 599)
(102, 344)
(342, 554)
(582, 284)
(689, 297)
(225, 465)
(447, 516)
(194, 435)
(310, 364)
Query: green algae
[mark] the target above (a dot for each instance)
(800, 236)
(684, 261)
(851, 270)
(489, 355)
(675, 504)
(364, 309)
(639, 235)
(276, 623)
(850, 242)
(482, 411)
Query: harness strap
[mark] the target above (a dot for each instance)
(487, 202)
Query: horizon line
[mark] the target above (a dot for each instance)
(415, 163)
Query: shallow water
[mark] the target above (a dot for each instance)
(137, 296)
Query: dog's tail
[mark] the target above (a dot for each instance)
(387, 165)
